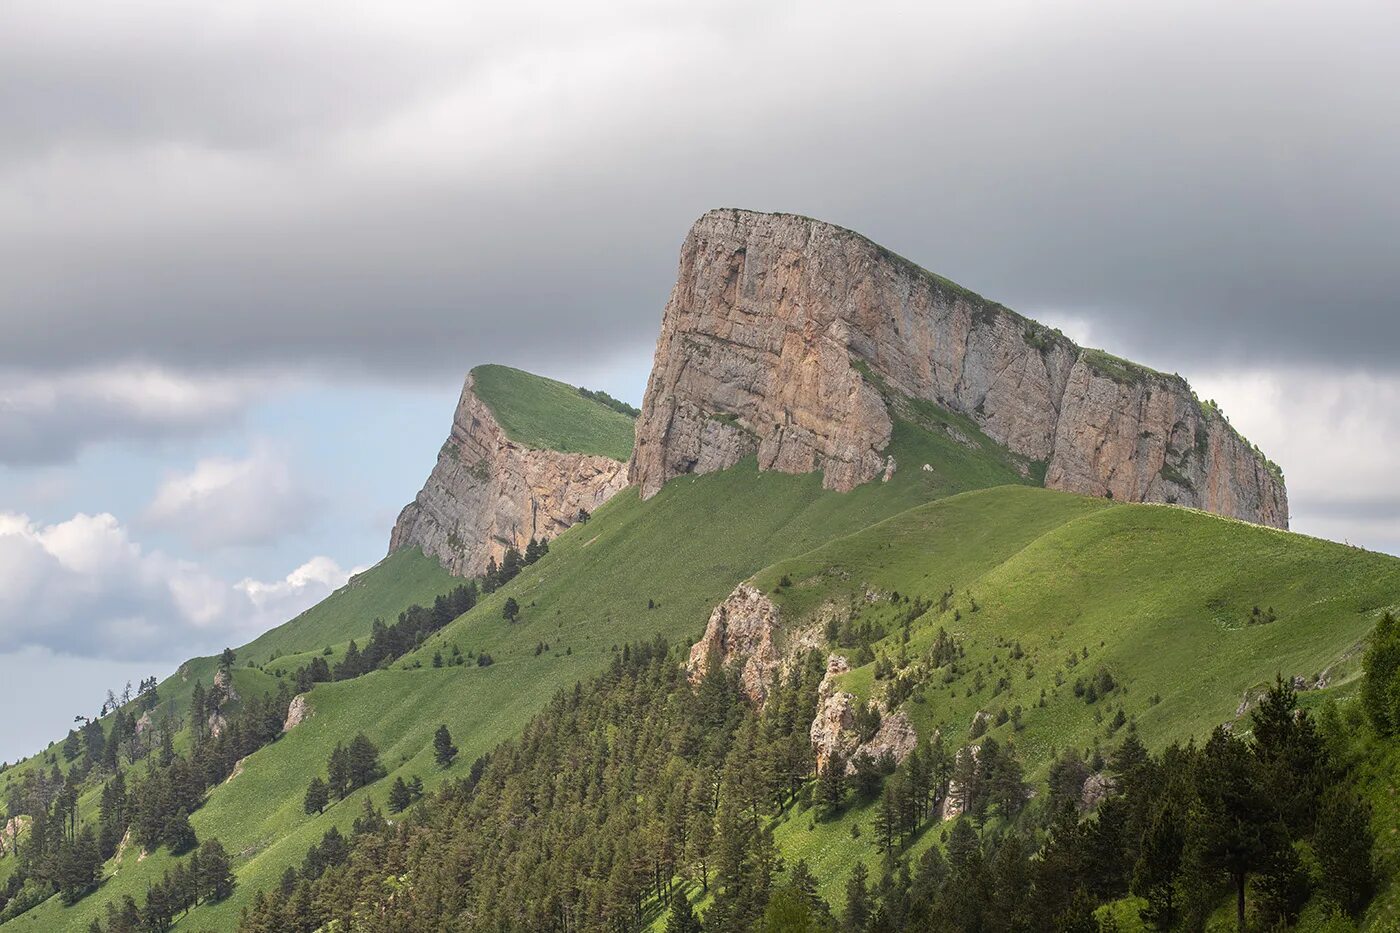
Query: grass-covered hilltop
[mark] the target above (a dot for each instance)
(775, 691)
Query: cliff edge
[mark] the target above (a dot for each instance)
(779, 326)
(489, 492)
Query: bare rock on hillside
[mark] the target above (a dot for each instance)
(298, 711)
(488, 493)
(746, 630)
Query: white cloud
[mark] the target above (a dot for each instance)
(225, 501)
(50, 417)
(1337, 437)
(83, 587)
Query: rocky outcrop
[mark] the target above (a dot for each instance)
(775, 321)
(488, 493)
(223, 691)
(833, 729)
(298, 711)
(1097, 787)
(745, 631)
(955, 801)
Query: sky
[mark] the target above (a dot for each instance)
(250, 250)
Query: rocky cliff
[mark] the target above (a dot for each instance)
(773, 318)
(488, 493)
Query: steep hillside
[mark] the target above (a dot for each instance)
(1047, 593)
(635, 570)
(524, 456)
(1164, 599)
(773, 315)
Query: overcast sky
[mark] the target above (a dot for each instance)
(250, 250)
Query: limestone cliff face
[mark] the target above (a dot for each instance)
(488, 493)
(745, 631)
(771, 314)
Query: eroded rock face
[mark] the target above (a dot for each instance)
(771, 315)
(745, 630)
(488, 493)
(833, 728)
(298, 711)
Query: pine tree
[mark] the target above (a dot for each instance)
(338, 768)
(317, 796)
(1238, 829)
(511, 610)
(363, 760)
(1380, 697)
(682, 918)
(399, 797)
(1343, 844)
(215, 875)
(444, 752)
(857, 916)
(832, 786)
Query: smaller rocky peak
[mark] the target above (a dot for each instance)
(746, 632)
(490, 492)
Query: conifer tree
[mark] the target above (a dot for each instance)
(444, 752)
(399, 797)
(317, 796)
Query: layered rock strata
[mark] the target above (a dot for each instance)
(488, 493)
(775, 321)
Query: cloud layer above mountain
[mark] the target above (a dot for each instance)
(387, 187)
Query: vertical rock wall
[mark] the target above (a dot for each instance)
(488, 493)
(771, 312)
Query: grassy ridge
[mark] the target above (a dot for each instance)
(1160, 596)
(551, 415)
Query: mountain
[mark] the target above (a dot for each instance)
(815, 552)
(777, 322)
(796, 341)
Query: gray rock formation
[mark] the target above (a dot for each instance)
(774, 316)
(488, 493)
(298, 711)
(745, 631)
(833, 728)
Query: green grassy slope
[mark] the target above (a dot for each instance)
(1160, 596)
(382, 591)
(544, 413)
(683, 550)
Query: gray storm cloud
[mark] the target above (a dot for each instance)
(394, 188)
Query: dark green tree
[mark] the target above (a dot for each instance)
(444, 752)
(399, 796)
(511, 610)
(682, 918)
(216, 879)
(317, 796)
(1343, 845)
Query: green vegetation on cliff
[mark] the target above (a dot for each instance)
(551, 415)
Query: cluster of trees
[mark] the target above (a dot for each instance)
(59, 854)
(205, 877)
(623, 796)
(349, 768)
(598, 395)
(388, 643)
(613, 797)
(512, 562)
